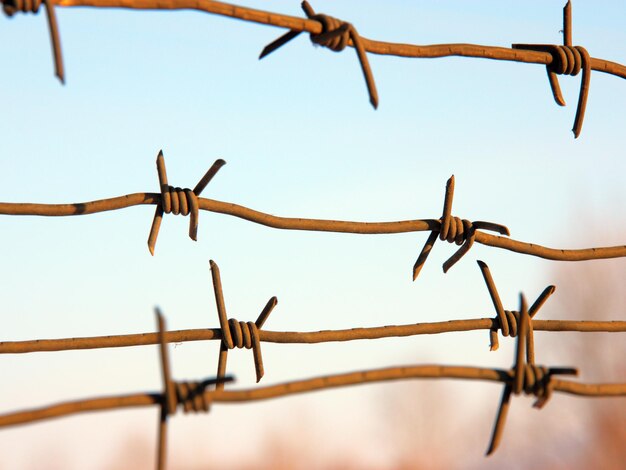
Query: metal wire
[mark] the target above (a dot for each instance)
(525, 376)
(509, 327)
(450, 228)
(337, 34)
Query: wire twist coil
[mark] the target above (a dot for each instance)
(335, 35)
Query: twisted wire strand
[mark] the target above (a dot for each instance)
(323, 225)
(335, 35)
(11, 7)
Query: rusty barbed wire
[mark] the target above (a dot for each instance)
(509, 327)
(195, 396)
(179, 201)
(336, 35)
(188, 394)
(235, 333)
(452, 229)
(510, 378)
(567, 60)
(527, 377)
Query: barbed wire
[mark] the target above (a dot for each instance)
(185, 201)
(337, 34)
(525, 377)
(195, 396)
(505, 321)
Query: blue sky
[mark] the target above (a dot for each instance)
(301, 140)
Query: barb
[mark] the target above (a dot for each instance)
(507, 320)
(10, 7)
(527, 377)
(335, 35)
(322, 225)
(189, 394)
(452, 229)
(238, 334)
(568, 60)
(316, 27)
(179, 201)
(310, 385)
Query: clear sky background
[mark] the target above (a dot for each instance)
(301, 140)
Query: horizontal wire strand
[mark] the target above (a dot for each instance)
(301, 337)
(311, 26)
(308, 385)
(317, 225)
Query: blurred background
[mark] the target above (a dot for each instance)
(302, 140)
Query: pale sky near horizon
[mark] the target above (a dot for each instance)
(300, 139)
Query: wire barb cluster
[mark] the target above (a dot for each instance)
(179, 201)
(335, 35)
(566, 60)
(238, 334)
(188, 394)
(454, 230)
(508, 321)
(526, 376)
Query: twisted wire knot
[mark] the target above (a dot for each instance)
(510, 324)
(537, 381)
(567, 60)
(453, 230)
(238, 334)
(242, 335)
(179, 201)
(335, 35)
(10, 7)
(192, 397)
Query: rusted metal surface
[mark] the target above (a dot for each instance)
(337, 34)
(452, 229)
